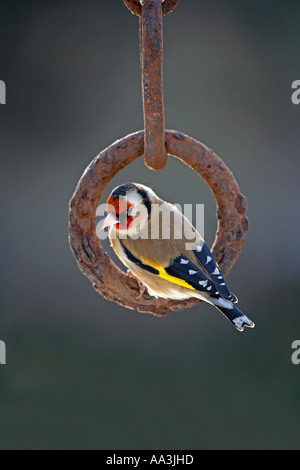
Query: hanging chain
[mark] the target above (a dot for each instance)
(151, 37)
(136, 8)
(151, 45)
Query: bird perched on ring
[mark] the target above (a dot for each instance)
(165, 253)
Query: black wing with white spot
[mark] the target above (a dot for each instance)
(208, 263)
(182, 268)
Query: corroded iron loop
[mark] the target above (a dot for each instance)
(136, 8)
(94, 262)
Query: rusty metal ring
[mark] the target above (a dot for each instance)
(136, 8)
(94, 262)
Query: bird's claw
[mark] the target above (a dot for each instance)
(140, 284)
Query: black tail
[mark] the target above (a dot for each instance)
(237, 318)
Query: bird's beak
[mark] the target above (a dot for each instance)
(110, 220)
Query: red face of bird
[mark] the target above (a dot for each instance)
(118, 213)
(128, 209)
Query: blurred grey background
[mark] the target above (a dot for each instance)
(83, 373)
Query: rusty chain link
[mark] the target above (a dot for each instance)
(94, 262)
(154, 143)
(151, 39)
(135, 6)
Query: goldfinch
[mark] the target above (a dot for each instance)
(164, 252)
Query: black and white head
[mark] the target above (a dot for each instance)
(129, 209)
